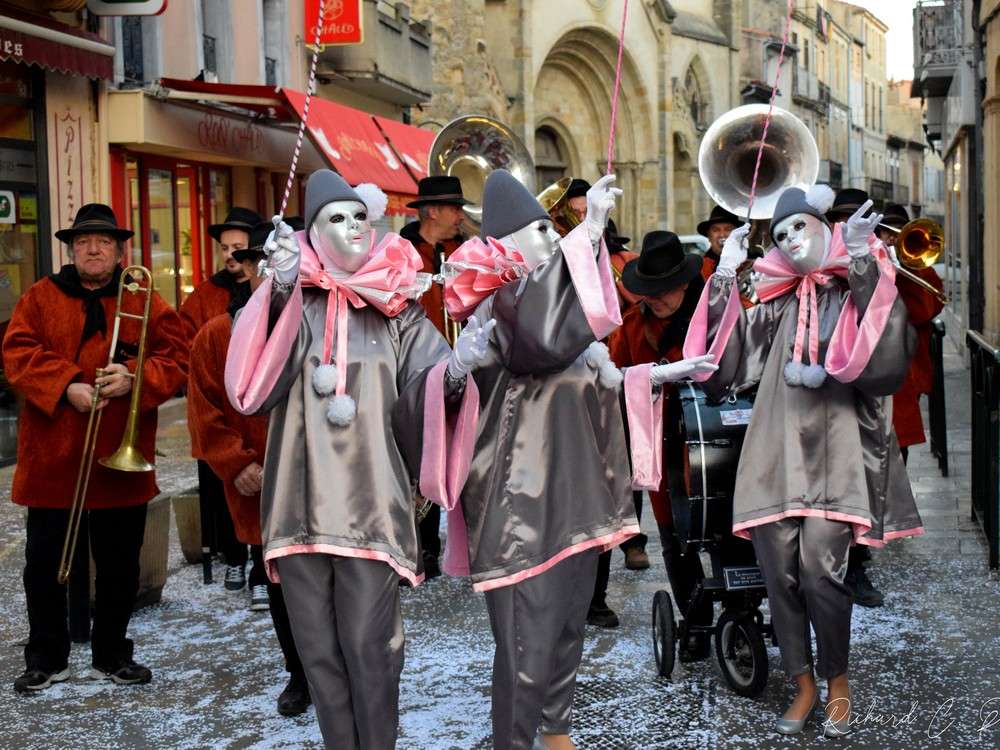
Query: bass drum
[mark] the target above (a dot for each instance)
(702, 447)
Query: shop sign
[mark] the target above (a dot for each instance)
(17, 165)
(10, 48)
(342, 23)
(69, 166)
(126, 7)
(228, 136)
(8, 209)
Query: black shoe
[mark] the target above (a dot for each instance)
(697, 648)
(126, 672)
(602, 616)
(295, 698)
(432, 569)
(863, 590)
(236, 577)
(35, 680)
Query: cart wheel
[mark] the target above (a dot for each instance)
(664, 633)
(739, 647)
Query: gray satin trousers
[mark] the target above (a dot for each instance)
(538, 626)
(348, 629)
(804, 561)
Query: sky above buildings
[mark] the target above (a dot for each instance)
(898, 16)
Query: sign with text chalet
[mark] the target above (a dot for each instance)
(341, 22)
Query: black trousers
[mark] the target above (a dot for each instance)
(639, 540)
(212, 495)
(115, 540)
(430, 540)
(283, 628)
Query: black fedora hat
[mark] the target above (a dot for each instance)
(94, 218)
(255, 249)
(439, 189)
(895, 215)
(238, 218)
(577, 187)
(847, 201)
(719, 215)
(616, 242)
(661, 266)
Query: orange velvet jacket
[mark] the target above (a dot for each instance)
(205, 302)
(636, 342)
(922, 307)
(41, 358)
(227, 440)
(433, 298)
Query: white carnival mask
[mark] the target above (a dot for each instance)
(803, 240)
(341, 234)
(536, 242)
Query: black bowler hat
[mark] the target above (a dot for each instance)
(577, 188)
(94, 218)
(719, 215)
(895, 215)
(616, 242)
(238, 218)
(439, 189)
(847, 202)
(255, 248)
(295, 222)
(661, 266)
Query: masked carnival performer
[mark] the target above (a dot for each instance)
(233, 446)
(820, 469)
(326, 346)
(548, 487)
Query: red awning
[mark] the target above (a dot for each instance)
(360, 146)
(39, 40)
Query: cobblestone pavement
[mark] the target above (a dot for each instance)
(924, 667)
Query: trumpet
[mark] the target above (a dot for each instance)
(919, 244)
(127, 457)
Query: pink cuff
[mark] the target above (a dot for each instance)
(696, 343)
(593, 281)
(853, 343)
(645, 422)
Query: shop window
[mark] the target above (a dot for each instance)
(550, 161)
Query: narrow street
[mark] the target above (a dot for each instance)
(924, 667)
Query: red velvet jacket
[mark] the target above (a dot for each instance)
(204, 303)
(227, 440)
(433, 298)
(41, 360)
(922, 307)
(636, 342)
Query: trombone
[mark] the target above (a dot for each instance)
(127, 457)
(919, 244)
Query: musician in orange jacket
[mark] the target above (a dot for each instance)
(232, 444)
(669, 283)
(59, 335)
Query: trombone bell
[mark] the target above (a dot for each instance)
(127, 458)
(920, 243)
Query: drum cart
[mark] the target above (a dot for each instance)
(702, 449)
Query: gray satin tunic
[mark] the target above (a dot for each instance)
(830, 448)
(345, 486)
(550, 468)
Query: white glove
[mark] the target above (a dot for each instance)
(600, 201)
(282, 250)
(734, 252)
(858, 229)
(470, 348)
(685, 368)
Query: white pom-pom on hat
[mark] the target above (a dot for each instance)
(324, 379)
(609, 375)
(596, 354)
(820, 197)
(374, 199)
(341, 410)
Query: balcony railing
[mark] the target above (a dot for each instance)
(901, 194)
(937, 45)
(880, 191)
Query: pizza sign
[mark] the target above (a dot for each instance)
(341, 22)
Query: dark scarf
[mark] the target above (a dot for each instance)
(238, 297)
(225, 280)
(68, 280)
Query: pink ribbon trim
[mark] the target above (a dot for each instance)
(861, 525)
(334, 549)
(696, 342)
(606, 542)
(254, 361)
(645, 422)
(593, 281)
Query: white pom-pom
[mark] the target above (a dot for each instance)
(597, 354)
(609, 375)
(325, 379)
(341, 410)
(374, 199)
(793, 373)
(813, 376)
(820, 197)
